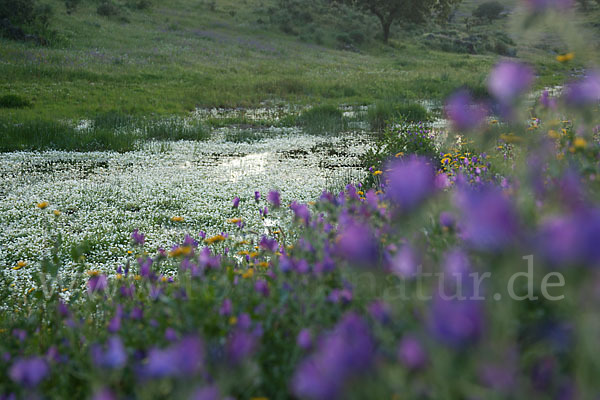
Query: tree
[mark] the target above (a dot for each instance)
(489, 11)
(416, 11)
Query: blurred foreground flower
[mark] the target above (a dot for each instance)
(409, 182)
(585, 91)
(340, 355)
(509, 79)
(464, 113)
(29, 372)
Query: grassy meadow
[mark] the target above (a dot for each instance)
(175, 57)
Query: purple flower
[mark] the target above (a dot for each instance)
(571, 239)
(269, 244)
(585, 91)
(226, 307)
(137, 237)
(262, 287)
(113, 357)
(547, 102)
(380, 311)
(29, 372)
(236, 202)
(489, 219)
(340, 355)
(456, 322)
(207, 393)
(410, 182)
(543, 5)
(406, 262)
(104, 394)
(97, 283)
(509, 80)
(274, 198)
(411, 353)
(357, 244)
(304, 339)
(301, 212)
(239, 346)
(182, 359)
(447, 220)
(464, 112)
(256, 196)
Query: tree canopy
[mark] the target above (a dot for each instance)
(416, 11)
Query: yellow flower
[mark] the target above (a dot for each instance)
(248, 274)
(399, 154)
(232, 320)
(93, 273)
(43, 205)
(215, 239)
(20, 265)
(494, 122)
(379, 192)
(360, 193)
(177, 219)
(234, 220)
(119, 276)
(164, 279)
(137, 277)
(30, 290)
(263, 264)
(565, 57)
(253, 254)
(378, 172)
(579, 143)
(244, 242)
(56, 212)
(511, 138)
(181, 251)
(553, 134)
(243, 253)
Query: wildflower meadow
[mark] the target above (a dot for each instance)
(451, 257)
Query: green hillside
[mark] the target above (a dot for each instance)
(178, 55)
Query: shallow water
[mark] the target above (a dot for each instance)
(103, 196)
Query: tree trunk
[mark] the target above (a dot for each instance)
(386, 25)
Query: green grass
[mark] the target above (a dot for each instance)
(385, 112)
(182, 54)
(322, 120)
(39, 134)
(107, 131)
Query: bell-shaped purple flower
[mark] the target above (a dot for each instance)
(301, 212)
(240, 345)
(585, 91)
(340, 355)
(545, 5)
(138, 238)
(274, 198)
(405, 263)
(411, 353)
(182, 359)
(489, 220)
(304, 339)
(409, 182)
(113, 356)
(357, 244)
(457, 322)
(464, 112)
(235, 202)
(29, 372)
(97, 283)
(510, 79)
